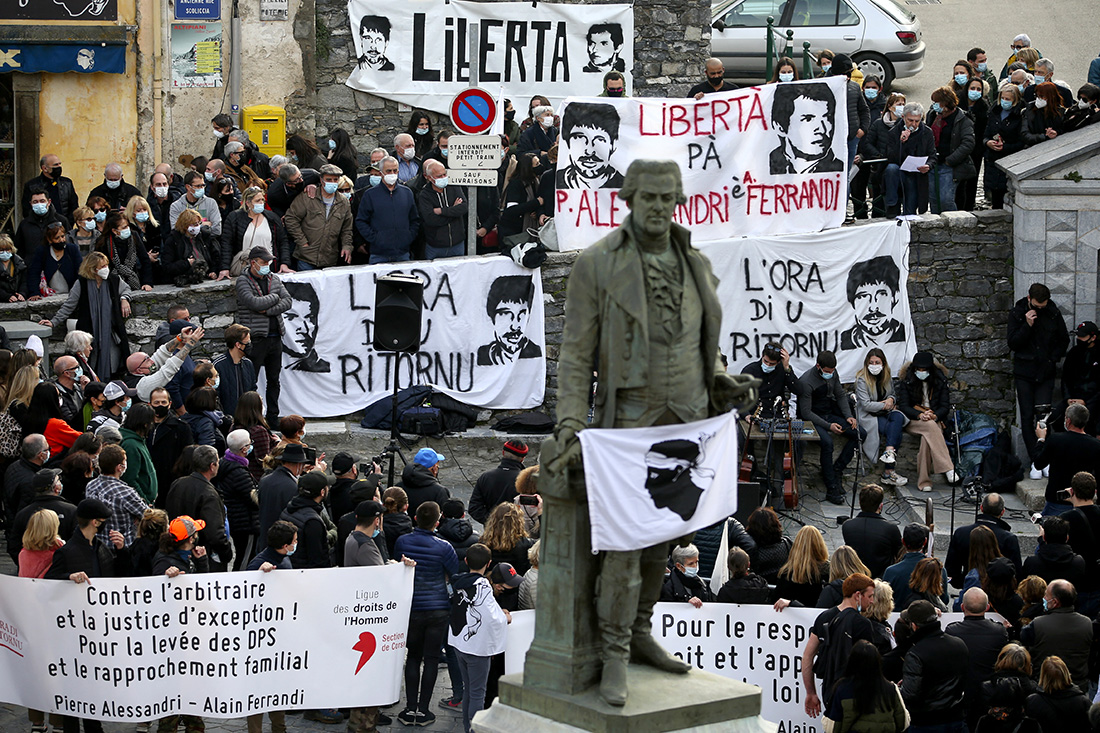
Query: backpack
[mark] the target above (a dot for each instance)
(831, 656)
(422, 419)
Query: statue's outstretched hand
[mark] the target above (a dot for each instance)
(569, 450)
(734, 391)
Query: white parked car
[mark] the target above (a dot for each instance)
(881, 36)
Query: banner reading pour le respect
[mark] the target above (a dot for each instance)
(217, 645)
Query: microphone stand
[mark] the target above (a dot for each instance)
(958, 455)
(768, 453)
(859, 460)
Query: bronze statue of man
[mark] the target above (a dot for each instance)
(640, 305)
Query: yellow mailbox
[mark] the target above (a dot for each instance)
(266, 126)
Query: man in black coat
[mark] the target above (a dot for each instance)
(419, 480)
(59, 189)
(875, 539)
(194, 496)
(47, 487)
(984, 639)
(166, 440)
(277, 488)
(1081, 375)
(958, 552)
(497, 485)
(19, 478)
(32, 229)
(1038, 339)
(934, 672)
(1061, 632)
(114, 189)
(304, 512)
(1084, 538)
(1065, 453)
(1054, 559)
(86, 555)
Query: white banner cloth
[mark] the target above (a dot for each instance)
(417, 52)
(842, 290)
(649, 485)
(220, 645)
(753, 644)
(760, 160)
(481, 337)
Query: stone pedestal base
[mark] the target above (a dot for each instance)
(699, 702)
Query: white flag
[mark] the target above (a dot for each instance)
(650, 485)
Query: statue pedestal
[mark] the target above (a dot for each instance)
(699, 702)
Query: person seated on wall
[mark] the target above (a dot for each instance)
(924, 397)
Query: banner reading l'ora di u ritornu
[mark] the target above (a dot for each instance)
(760, 160)
(417, 51)
(222, 645)
(481, 341)
(657, 484)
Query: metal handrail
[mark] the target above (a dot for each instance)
(775, 52)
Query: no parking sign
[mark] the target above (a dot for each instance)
(473, 110)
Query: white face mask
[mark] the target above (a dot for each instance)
(547, 121)
(1040, 103)
(390, 179)
(1082, 104)
(160, 191)
(194, 230)
(408, 153)
(114, 184)
(874, 369)
(103, 272)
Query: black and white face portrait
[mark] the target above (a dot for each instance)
(509, 308)
(300, 330)
(803, 117)
(873, 291)
(590, 132)
(874, 306)
(374, 38)
(605, 43)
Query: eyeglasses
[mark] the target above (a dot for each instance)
(1017, 48)
(344, 190)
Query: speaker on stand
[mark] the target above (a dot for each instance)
(398, 312)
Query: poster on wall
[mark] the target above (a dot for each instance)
(417, 52)
(274, 9)
(196, 55)
(482, 337)
(842, 291)
(760, 160)
(68, 10)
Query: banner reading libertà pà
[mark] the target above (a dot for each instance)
(761, 160)
(481, 337)
(842, 290)
(418, 51)
(217, 645)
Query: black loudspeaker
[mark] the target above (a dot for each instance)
(748, 499)
(398, 305)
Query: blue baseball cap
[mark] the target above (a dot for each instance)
(427, 457)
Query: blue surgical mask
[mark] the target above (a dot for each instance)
(114, 184)
(767, 368)
(292, 549)
(330, 188)
(960, 79)
(217, 382)
(1039, 78)
(142, 216)
(89, 224)
(78, 373)
(441, 182)
(786, 76)
(827, 375)
(1021, 87)
(936, 107)
(375, 180)
(421, 131)
(346, 194)
(200, 192)
(691, 572)
(974, 95)
(443, 152)
(257, 208)
(921, 374)
(209, 176)
(1045, 606)
(375, 533)
(1006, 104)
(983, 66)
(41, 210)
(825, 68)
(871, 94)
(898, 109)
(5, 256)
(332, 145)
(101, 216)
(265, 270)
(124, 233)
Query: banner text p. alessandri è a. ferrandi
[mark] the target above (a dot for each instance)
(221, 646)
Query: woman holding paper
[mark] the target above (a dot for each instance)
(953, 132)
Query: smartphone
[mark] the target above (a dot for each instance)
(528, 500)
(311, 455)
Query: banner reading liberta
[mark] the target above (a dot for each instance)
(842, 290)
(761, 160)
(481, 337)
(217, 646)
(418, 52)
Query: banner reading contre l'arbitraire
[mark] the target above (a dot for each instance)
(220, 645)
(760, 160)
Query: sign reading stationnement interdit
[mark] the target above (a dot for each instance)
(761, 160)
(221, 645)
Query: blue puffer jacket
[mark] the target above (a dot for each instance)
(435, 562)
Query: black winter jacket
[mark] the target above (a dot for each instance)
(66, 512)
(1056, 561)
(166, 440)
(832, 594)
(17, 487)
(1012, 135)
(984, 638)
(460, 533)
(235, 484)
(191, 564)
(961, 145)
(393, 526)
(197, 498)
(80, 556)
(748, 589)
(313, 550)
(495, 486)
(679, 588)
(1064, 710)
(875, 539)
(276, 489)
(1036, 124)
(934, 677)
(448, 227)
(1036, 349)
(421, 486)
(14, 282)
(958, 552)
(177, 247)
(910, 393)
(234, 226)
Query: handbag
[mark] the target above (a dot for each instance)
(11, 433)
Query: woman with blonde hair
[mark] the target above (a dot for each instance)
(40, 541)
(100, 300)
(21, 390)
(844, 562)
(507, 537)
(1003, 695)
(529, 588)
(803, 575)
(84, 232)
(252, 225)
(143, 219)
(529, 500)
(1059, 705)
(878, 613)
(13, 271)
(190, 255)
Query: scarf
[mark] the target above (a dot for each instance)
(127, 266)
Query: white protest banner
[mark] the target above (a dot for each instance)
(648, 485)
(841, 290)
(481, 337)
(219, 645)
(417, 52)
(753, 644)
(760, 160)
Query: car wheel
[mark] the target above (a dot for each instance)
(873, 64)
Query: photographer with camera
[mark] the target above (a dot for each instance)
(777, 383)
(1066, 454)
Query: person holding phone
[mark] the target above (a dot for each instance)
(1065, 453)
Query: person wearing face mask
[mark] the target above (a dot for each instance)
(70, 379)
(291, 182)
(404, 152)
(237, 170)
(237, 373)
(140, 472)
(84, 232)
(126, 251)
(538, 138)
(614, 85)
(1081, 376)
(683, 584)
(443, 211)
(252, 225)
(195, 198)
(1044, 72)
(873, 93)
(973, 102)
(906, 191)
(439, 152)
(777, 383)
(872, 147)
(235, 484)
(100, 300)
(166, 439)
(1043, 117)
(13, 271)
(978, 61)
(117, 398)
(388, 219)
(341, 152)
(190, 254)
(785, 70)
(114, 189)
(195, 496)
(521, 201)
(320, 226)
(126, 505)
(58, 188)
(923, 396)
(304, 153)
(261, 299)
(953, 132)
(961, 74)
(221, 125)
(715, 81)
(879, 416)
(53, 266)
(33, 226)
(422, 132)
(823, 401)
(1003, 136)
(145, 225)
(1085, 111)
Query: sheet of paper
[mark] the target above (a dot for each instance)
(912, 162)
